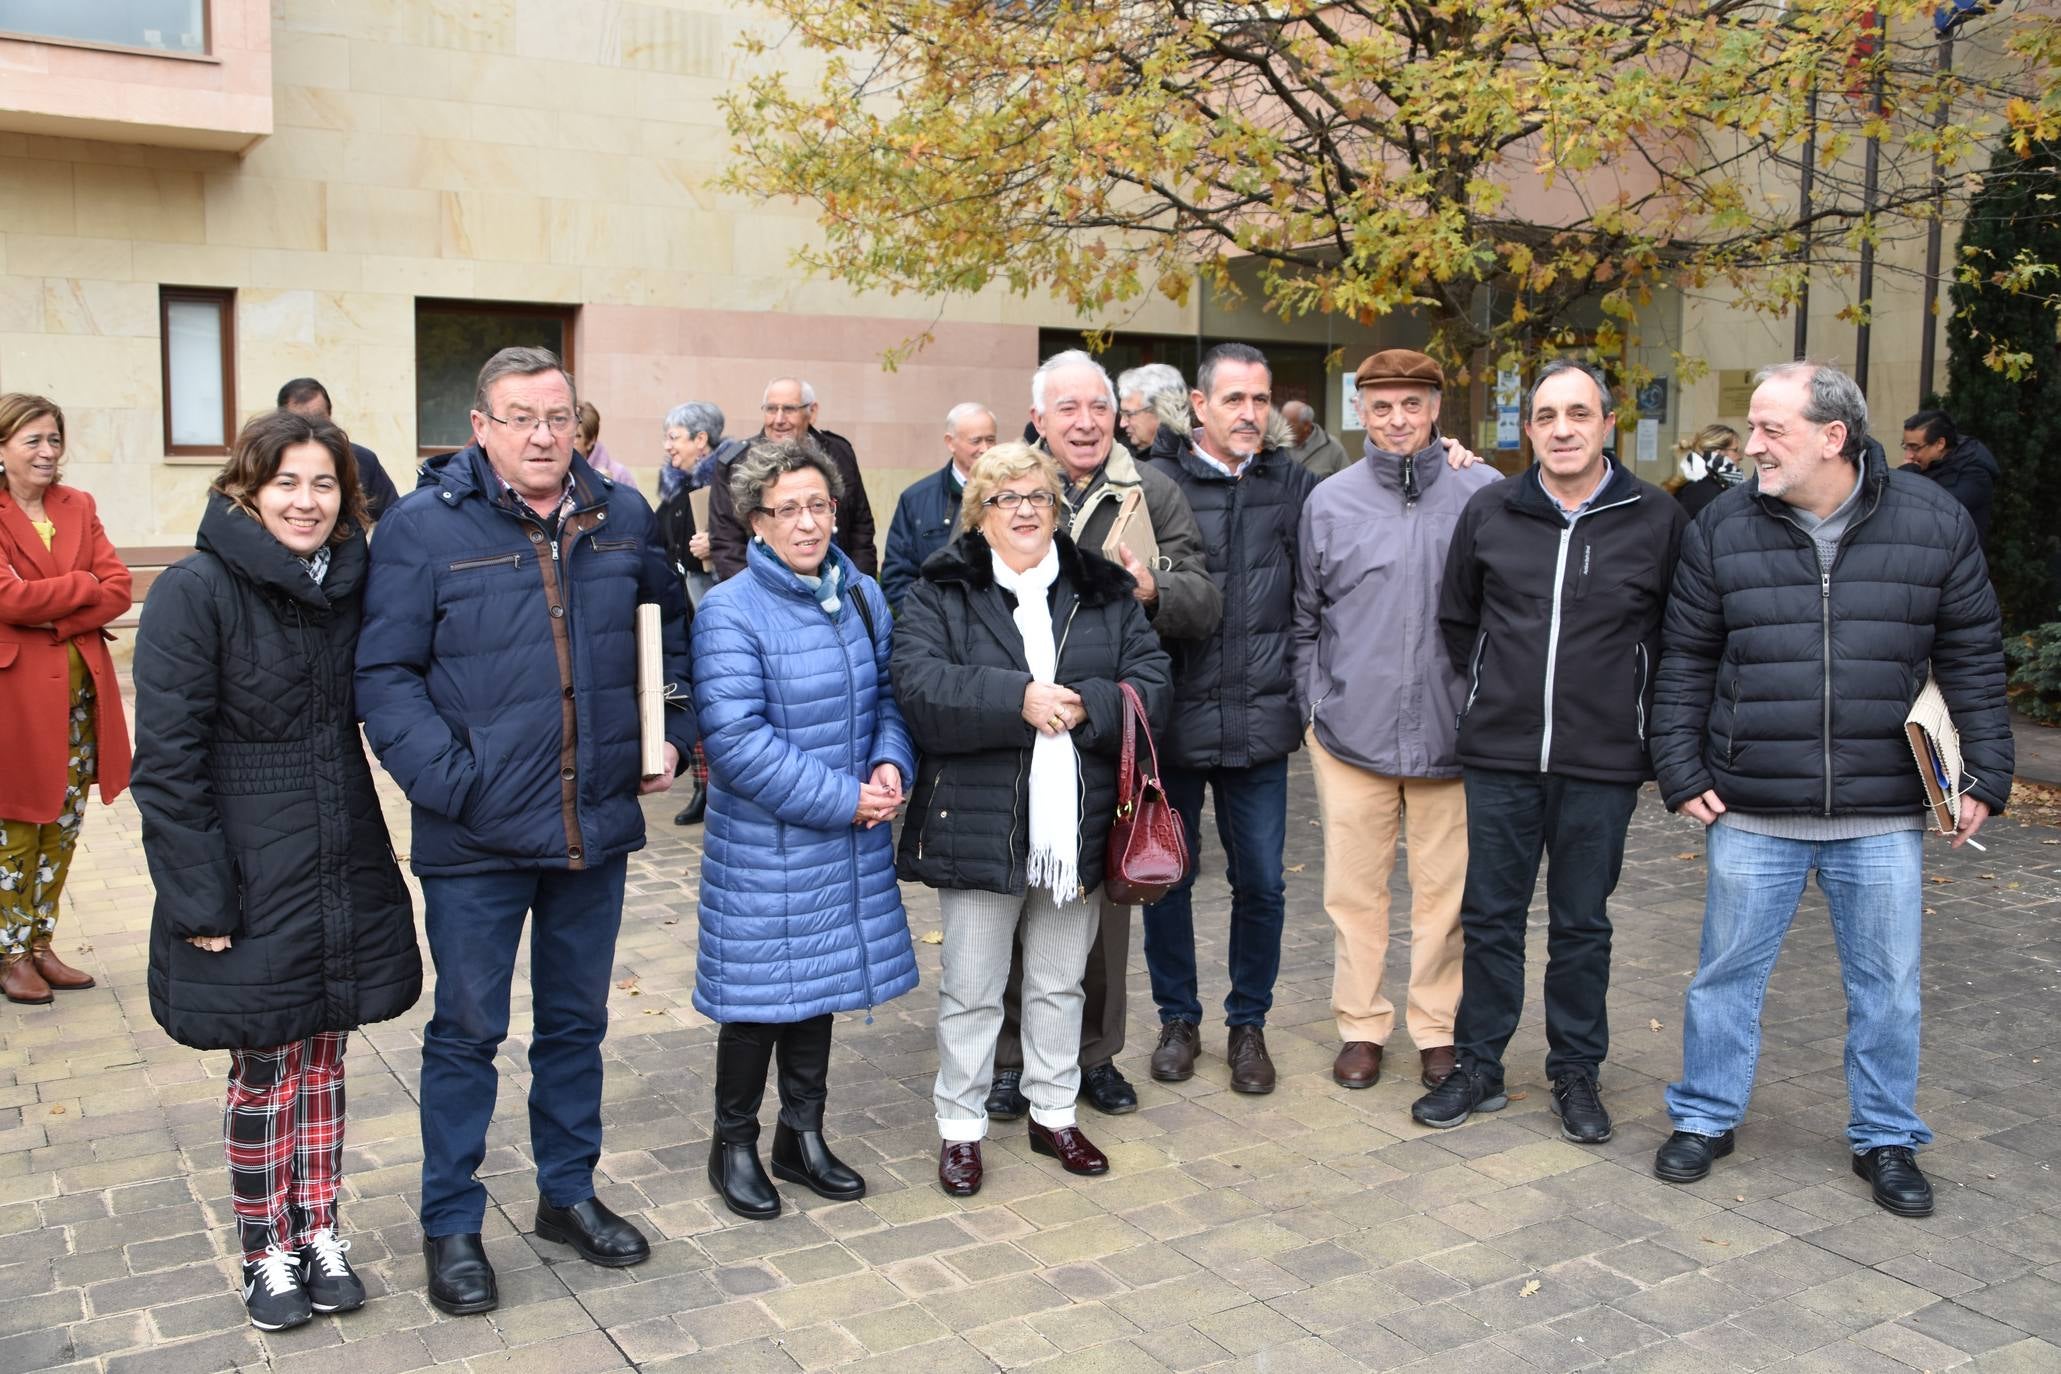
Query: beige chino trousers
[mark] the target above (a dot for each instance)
(1364, 813)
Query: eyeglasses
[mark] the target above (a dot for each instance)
(1133, 412)
(1412, 406)
(771, 409)
(1008, 501)
(559, 422)
(787, 514)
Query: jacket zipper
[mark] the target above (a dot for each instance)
(513, 560)
(1474, 672)
(851, 694)
(1640, 699)
(1553, 630)
(1732, 730)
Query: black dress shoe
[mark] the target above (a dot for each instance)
(696, 808)
(740, 1180)
(1006, 1101)
(1892, 1171)
(1686, 1156)
(599, 1235)
(461, 1281)
(802, 1157)
(1108, 1091)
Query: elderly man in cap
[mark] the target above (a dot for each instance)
(1381, 699)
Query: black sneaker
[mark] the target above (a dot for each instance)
(1108, 1091)
(1580, 1109)
(272, 1291)
(331, 1283)
(1465, 1092)
(1893, 1175)
(1006, 1101)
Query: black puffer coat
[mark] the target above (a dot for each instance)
(259, 817)
(1786, 692)
(959, 674)
(1234, 692)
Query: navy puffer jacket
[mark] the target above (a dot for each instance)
(1234, 692)
(497, 672)
(800, 911)
(1785, 691)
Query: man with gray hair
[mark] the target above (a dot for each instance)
(928, 512)
(788, 411)
(1314, 447)
(1138, 390)
(1550, 607)
(497, 679)
(1809, 608)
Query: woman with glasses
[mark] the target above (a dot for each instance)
(1008, 659)
(801, 917)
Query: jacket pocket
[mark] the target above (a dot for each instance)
(499, 560)
(930, 808)
(1473, 675)
(615, 546)
(1639, 690)
(1732, 723)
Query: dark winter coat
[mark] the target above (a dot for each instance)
(727, 537)
(259, 817)
(1234, 691)
(1785, 689)
(960, 672)
(1188, 605)
(925, 519)
(497, 674)
(380, 493)
(1969, 473)
(1557, 625)
(800, 911)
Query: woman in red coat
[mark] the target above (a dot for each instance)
(60, 582)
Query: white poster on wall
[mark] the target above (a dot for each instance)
(1649, 441)
(1349, 385)
(1509, 405)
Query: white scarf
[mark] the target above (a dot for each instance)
(1055, 800)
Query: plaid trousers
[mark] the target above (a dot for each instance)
(283, 1131)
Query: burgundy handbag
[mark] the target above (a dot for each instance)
(1148, 850)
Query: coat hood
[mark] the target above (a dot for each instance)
(968, 559)
(254, 554)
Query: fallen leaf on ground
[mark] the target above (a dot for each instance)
(628, 984)
(1932, 911)
(1987, 877)
(1713, 1240)
(1516, 1097)
(1530, 1287)
(1653, 1025)
(1687, 855)
(1939, 879)
(933, 937)
(1297, 868)
(1738, 1197)
(60, 1108)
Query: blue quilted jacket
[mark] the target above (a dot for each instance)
(800, 911)
(485, 639)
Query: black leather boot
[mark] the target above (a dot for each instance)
(740, 1180)
(696, 808)
(802, 1157)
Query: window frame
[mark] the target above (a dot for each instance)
(568, 318)
(207, 40)
(223, 298)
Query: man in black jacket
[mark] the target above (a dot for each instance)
(1554, 585)
(1807, 611)
(927, 516)
(789, 410)
(1234, 721)
(1960, 464)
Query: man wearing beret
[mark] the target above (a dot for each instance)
(1554, 587)
(1380, 700)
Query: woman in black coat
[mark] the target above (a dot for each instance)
(1014, 705)
(281, 921)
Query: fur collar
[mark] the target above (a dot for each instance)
(1093, 578)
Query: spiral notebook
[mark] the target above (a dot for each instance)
(1936, 748)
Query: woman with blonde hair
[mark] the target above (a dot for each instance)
(61, 582)
(1709, 468)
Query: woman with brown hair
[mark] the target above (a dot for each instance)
(60, 583)
(281, 922)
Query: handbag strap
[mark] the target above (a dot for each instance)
(1135, 723)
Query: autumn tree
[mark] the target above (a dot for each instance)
(1502, 167)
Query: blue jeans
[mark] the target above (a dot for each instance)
(1875, 889)
(1252, 823)
(474, 923)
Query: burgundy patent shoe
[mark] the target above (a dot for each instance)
(958, 1167)
(1075, 1152)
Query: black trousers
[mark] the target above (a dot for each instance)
(746, 1049)
(1513, 819)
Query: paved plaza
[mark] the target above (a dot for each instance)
(1310, 1231)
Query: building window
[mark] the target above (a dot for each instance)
(453, 340)
(171, 26)
(198, 329)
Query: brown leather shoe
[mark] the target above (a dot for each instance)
(1438, 1062)
(56, 972)
(1173, 1059)
(1075, 1152)
(1358, 1065)
(1251, 1070)
(20, 981)
(958, 1167)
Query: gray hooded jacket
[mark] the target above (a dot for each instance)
(1371, 671)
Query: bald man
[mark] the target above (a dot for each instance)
(1314, 447)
